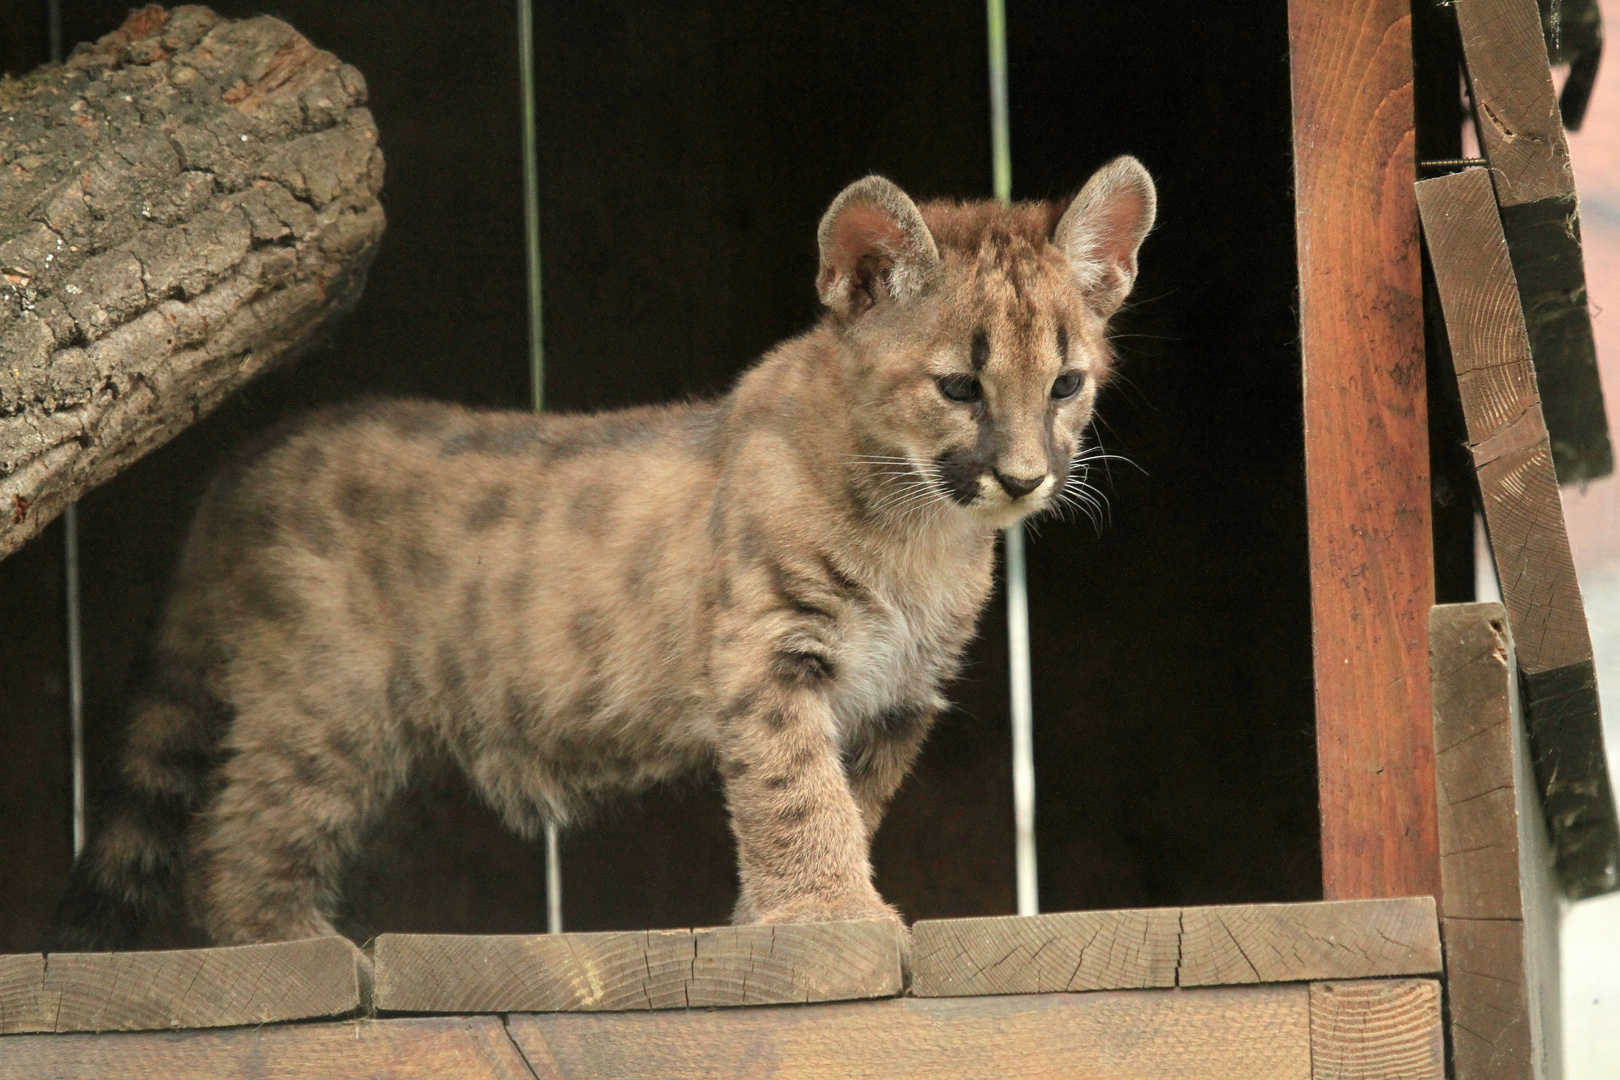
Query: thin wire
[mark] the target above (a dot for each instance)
(1018, 662)
(70, 568)
(75, 658)
(537, 352)
(531, 205)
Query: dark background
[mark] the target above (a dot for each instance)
(686, 154)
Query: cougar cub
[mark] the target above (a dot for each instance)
(776, 583)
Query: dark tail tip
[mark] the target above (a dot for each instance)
(92, 918)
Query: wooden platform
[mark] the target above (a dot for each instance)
(1254, 992)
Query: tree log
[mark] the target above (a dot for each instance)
(183, 205)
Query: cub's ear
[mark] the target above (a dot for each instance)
(874, 248)
(1102, 229)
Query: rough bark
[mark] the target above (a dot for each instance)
(183, 205)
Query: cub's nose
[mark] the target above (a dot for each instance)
(1018, 486)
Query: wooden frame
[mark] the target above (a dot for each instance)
(1286, 991)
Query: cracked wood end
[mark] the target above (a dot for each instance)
(1374, 1030)
(184, 204)
(1163, 947)
(652, 969)
(1498, 900)
(181, 988)
(1520, 128)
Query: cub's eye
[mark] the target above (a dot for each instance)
(960, 387)
(1067, 385)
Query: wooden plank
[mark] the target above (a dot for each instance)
(415, 1048)
(1036, 954)
(1511, 81)
(1508, 439)
(1383, 1030)
(1522, 136)
(1253, 1033)
(653, 969)
(1366, 443)
(1160, 947)
(181, 988)
(1346, 939)
(1500, 909)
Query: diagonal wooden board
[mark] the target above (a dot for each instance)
(651, 969)
(1513, 460)
(1522, 135)
(1499, 899)
(1166, 947)
(181, 988)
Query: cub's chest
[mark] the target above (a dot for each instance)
(900, 648)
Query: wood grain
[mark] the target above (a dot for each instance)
(1036, 954)
(655, 969)
(439, 1048)
(1517, 109)
(1508, 440)
(1347, 939)
(1161, 947)
(1252, 1033)
(1366, 443)
(182, 988)
(1499, 903)
(1522, 135)
(1382, 1030)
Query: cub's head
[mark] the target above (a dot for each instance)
(975, 334)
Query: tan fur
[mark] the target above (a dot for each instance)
(777, 583)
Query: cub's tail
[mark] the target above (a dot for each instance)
(131, 864)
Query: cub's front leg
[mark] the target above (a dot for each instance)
(801, 839)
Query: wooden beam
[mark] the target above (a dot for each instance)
(1377, 1030)
(181, 988)
(1508, 439)
(1163, 947)
(1366, 443)
(1501, 907)
(1347, 939)
(416, 1048)
(1520, 130)
(1252, 1033)
(651, 969)
(1037, 954)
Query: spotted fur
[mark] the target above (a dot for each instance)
(776, 583)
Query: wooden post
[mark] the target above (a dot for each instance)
(1366, 443)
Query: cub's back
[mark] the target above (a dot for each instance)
(399, 525)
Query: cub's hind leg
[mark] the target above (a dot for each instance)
(297, 793)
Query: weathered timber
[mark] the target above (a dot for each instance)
(1377, 1030)
(1522, 135)
(1513, 460)
(652, 969)
(1038, 954)
(415, 1048)
(182, 988)
(183, 205)
(1346, 939)
(1366, 443)
(1162, 947)
(1500, 907)
(1252, 1033)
